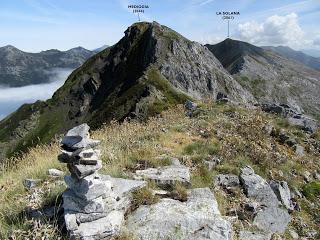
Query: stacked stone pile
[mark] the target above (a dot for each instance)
(93, 207)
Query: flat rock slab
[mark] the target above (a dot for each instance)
(102, 228)
(198, 218)
(245, 235)
(257, 188)
(81, 171)
(90, 187)
(167, 175)
(272, 219)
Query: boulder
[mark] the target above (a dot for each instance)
(227, 180)
(246, 235)
(172, 219)
(283, 193)
(164, 176)
(272, 219)
(257, 188)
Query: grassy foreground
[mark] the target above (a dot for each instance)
(236, 135)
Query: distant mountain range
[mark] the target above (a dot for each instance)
(269, 76)
(298, 56)
(19, 68)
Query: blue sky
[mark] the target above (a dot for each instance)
(35, 25)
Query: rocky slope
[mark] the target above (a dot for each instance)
(18, 68)
(223, 173)
(149, 69)
(298, 56)
(270, 77)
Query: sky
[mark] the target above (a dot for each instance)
(36, 25)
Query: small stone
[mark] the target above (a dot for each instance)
(293, 234)
(214, 161)
(31, 183)
(307, 176)
(81, 130)
(83, 217)
(227, 180)
(299, 150)
(316, 175)
(191, 106)
(81, 171)
(268, 128)
(55, 172)
(71, 222)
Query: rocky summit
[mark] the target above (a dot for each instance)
(151, 68)
(269, 76)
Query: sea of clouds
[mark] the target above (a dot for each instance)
(12, 98)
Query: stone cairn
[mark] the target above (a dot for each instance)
(90, 206)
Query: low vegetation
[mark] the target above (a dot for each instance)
(235, 135)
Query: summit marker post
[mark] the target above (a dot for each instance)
(228, 16)
(138, 9)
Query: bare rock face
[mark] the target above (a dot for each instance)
(198, 218)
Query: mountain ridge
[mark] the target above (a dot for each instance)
(150, 68)
(19, 68)
(298, 56)
(270, 77)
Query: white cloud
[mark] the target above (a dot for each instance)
(12, 98)
(275, 30)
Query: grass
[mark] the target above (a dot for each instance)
(233, 134)
(312, 190)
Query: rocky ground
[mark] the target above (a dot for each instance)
(211, 171)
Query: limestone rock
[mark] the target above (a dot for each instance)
(299, 150)
(257, 188)
(101, 228)
(88, 188)
(81, 171)
(283, 193)
(31, 183)
(246, 235)
(167, 175)
(54, 172)
(172, 219)
(227, 180)
(272, 219)
(71, 202)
